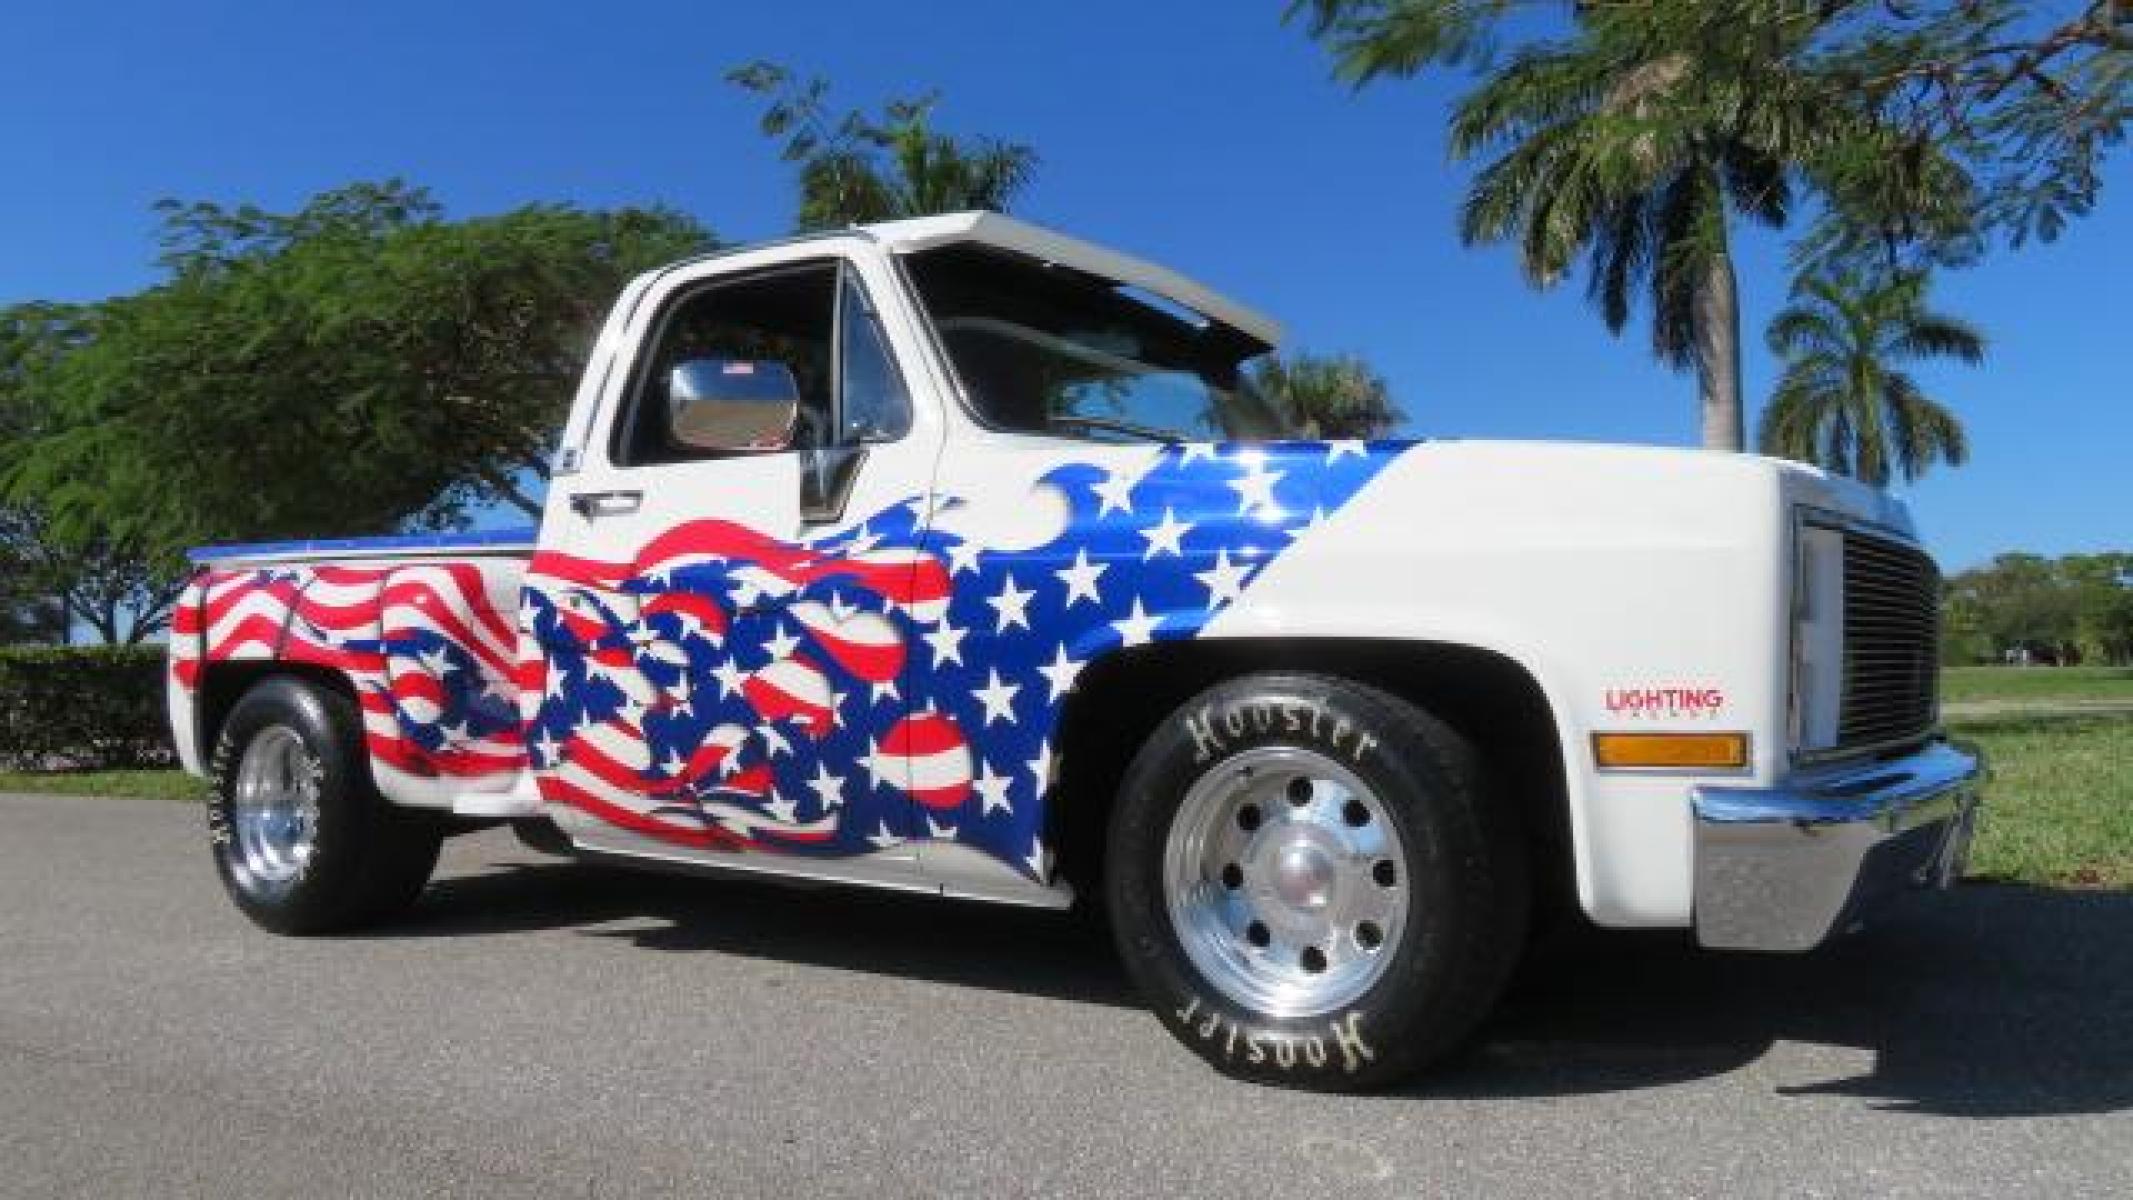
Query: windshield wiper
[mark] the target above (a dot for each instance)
(1107, 425)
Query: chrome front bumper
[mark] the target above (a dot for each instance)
(1782, 868)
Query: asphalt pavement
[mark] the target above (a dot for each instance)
(541, 1027)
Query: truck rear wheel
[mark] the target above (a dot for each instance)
(302, 840)
(1309, 883)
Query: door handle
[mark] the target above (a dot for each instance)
(605, 504)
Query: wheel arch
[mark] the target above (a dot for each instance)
(1492, 699)
(223, 684)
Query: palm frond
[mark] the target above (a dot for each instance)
(1935, 335)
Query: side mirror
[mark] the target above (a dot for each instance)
(733, 405)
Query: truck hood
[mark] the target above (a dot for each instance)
(1548, 465)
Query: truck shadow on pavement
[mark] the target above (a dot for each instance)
(1989, 1001)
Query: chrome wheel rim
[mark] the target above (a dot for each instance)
(275, 809)
(1286, 881)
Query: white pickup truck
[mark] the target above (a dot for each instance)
(959, 556)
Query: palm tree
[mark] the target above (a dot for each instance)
(1328, 396)
(859, 169)
(1635, 145)
(1844, 402)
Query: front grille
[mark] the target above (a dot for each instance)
(1891, 643)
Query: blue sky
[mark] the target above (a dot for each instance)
(1206, 135)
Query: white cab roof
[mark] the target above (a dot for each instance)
(1037, 242)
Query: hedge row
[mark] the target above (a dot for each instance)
(82, 707)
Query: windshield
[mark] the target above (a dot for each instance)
(1044, 348)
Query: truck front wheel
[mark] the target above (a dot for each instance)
(1310, 884)
(302, 840)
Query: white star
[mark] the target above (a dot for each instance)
(1335, 451)
(674, 764)
(992, 788)
(1061, 673)
(1080, 579)
(1136, 628)
(1012, 604)
(729, 676)
(1039, 859)
(558, 679)
(998, 698)
(1116, 491)
(938, 831)
(780, 809)
(1040, 768)
(947, 643)
(963, 556)
(437, 662)
(1224, 581)
(782, 643)
(547, 749)
(880, 767)
(1165, 537)
(828, 788)
(1193, 450)
(1255, 490)
(774, 743)
(884, 691)
(884, 839)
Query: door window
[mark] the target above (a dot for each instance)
(784, 316)
(874, 404)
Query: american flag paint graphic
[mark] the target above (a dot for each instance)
(431, 657)
(891, 682)
(888, 683)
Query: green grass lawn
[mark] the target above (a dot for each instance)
(151, 785)
(2026, 685)
(2059, 806)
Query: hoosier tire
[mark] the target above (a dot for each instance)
(302, 840)
(1310, 883)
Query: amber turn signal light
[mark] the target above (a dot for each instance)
(1702, 751)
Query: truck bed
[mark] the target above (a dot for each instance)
(423, 628)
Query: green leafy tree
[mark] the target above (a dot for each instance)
(360, 365)
(2078, 608)
(1329, 396)
(28, 611)
(2103, 605)
(1845, 401)
(1923, 129)
(857, 168)
(117, 593)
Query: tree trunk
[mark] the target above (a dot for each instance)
(1718, 355)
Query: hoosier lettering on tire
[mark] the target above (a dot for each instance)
(1311, 884)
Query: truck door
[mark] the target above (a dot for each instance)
(720, 613)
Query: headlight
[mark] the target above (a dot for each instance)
(1817, 637)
